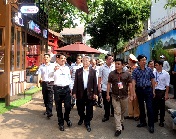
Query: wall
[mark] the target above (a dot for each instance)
(162, 45)
(161, 17)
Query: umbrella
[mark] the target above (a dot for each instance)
(78, 48)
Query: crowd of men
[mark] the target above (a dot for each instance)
(119, 86)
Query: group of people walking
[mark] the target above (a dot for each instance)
(119, 86)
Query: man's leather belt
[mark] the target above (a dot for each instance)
(62, 87)
(48, 81)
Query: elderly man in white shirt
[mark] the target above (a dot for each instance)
(162, 80)
(46, 78)
(62, 91)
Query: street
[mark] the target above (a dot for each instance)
(28, 122)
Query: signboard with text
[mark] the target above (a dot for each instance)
(29, 9)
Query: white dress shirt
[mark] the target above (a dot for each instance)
(162, 79)
(46, 72)
(104, 73)
(85, 77)
(62, 76)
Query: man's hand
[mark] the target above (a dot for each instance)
(74, 96)
(154, 94)
(131, 98)
(56, 68)
(166, 97)
(108, 98)
(99, 89)
(94, 97)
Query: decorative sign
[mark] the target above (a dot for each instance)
(29, 9)
(18, 19)
(34, 27)
(45, 33)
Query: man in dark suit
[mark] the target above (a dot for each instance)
(85, 91)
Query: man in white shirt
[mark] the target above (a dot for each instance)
(96, 68)
(162, 80)
(62, 91)
(102, 85)
(74, 66)
(166, 65)
(46, 78)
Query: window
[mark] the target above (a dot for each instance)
(12, 50)
(2, 60)
(23, 50)
(1, 36)
(18, 49)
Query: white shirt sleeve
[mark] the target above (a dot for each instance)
(167, 79)
(100, 71)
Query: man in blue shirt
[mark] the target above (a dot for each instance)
(144, 83)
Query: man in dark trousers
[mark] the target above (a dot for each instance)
(85, 91)
(162, 81)
(62, 91)
(46, 78)
(143, 80)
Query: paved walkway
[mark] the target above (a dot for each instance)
(28, 122)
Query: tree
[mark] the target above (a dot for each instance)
(170, 3)
(119, 21)
(62, 14)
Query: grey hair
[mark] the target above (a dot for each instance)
(87, 57)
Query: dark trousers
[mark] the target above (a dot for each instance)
(47, 91)
(145, 94)
(108, 107)
(62, 94)
(159, 104)
(81, 104)
(174, 85)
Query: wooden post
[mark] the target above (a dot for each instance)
(7, 52)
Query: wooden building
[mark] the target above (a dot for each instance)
(22, 37)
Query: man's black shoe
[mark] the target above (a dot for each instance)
(72, 105)
(80, 122)
(88, 128)
(99, 105)
(117, 133)
(136, 118)
(122, 127)
(142, 124)
(105, 119)
(161, 124)
(61, 128)
(69, 123)
(151, 129)
(128, 117)
(49, 115)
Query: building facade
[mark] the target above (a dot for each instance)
(23, 41)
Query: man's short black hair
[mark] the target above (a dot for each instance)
(47, 54)
(120, 60)
(140, 57)
(106, 57)
(159, 62)
(59, 55)
(150, 61)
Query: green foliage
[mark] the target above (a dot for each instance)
(19, 102)
(119, 20)
(170, 3)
